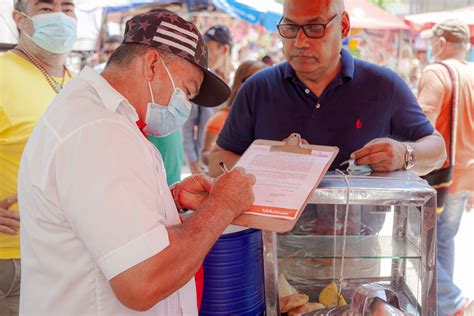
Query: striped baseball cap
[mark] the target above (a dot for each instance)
(169, 32)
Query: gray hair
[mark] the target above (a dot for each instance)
(20, 5)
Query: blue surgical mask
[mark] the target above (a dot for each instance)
(54, 32)
(163, 120)
(357, 170)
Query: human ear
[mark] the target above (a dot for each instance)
(226, 49)
(442, 42)
(150, 64)
(345, 25)
(19, 19)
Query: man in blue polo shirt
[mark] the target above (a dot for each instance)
(330, 98)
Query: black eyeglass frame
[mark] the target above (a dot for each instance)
(303, 26)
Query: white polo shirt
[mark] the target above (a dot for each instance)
(94, 202)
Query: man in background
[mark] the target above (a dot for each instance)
(219, 41)
(450, 42)
(31, 76)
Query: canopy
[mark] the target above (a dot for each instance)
(90, 15)
(365, 15)
(132, 4)
(264, 12)
(423, 21)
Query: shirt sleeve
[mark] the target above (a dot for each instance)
(216, 122)
(408, 122)
(238, 131)
(109, 193)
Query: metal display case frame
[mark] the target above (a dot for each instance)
(407, 195)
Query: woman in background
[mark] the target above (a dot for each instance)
(217, 121)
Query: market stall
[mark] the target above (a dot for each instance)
(370, 235)
(378, 37)
(424, 21)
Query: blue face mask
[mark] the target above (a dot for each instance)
(163, 120)
(54, 32)
(356, 170)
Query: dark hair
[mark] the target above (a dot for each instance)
(126, 52)
(245, 70)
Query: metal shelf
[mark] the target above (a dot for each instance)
(369, 247)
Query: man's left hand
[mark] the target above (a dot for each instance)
(192, 191)
(381, 154)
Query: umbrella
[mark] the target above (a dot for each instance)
(366, 15)
(423, 21)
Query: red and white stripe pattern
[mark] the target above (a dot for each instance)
(178, 37)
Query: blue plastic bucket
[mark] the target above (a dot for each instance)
(233, 275)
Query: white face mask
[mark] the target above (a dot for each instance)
(163, 120)
(54, 32)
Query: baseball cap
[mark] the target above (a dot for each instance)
(169, 32)
(453, 30)
(219, 33)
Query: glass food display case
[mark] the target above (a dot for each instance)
(355, 232)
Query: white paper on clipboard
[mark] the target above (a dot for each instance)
(284, 179)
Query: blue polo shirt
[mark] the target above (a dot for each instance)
(363, 102)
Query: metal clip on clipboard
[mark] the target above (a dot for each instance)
(292, 144)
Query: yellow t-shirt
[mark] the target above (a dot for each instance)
(24, 96)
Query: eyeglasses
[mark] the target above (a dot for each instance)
(313, 30)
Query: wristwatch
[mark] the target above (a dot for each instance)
(409, 157)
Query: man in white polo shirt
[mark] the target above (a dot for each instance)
(100, 232)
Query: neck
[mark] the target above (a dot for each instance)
(317, 82)
(119, 79)
(223, 69)
(458, 54)
(222, 74)
(52, 63)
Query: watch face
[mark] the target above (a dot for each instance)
(409, 157)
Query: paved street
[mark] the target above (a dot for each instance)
(464, 269)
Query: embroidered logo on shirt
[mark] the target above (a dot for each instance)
(358, 123)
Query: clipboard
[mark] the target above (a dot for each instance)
(292, 144)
